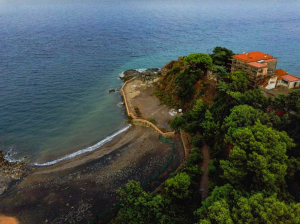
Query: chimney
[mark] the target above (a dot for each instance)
(244, 52)
(265, 55)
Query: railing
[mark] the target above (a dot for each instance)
(153, 178)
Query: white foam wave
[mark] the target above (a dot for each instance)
(89, 149)
(141, 69)
(8, 156)
(138, 70)
(120, 104)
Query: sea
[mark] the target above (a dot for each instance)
(58, 59)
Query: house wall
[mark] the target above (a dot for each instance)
(265, 71)
(280, 83)
(272, 83)
(292, 85)
(272, 64)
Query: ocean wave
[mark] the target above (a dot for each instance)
(141, 69)
(89, 149)
(8, 156)
(138, 70)
(120, 104)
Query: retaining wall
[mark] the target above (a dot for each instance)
(142, 122)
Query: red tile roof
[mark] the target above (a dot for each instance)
(269, 60)
(257, 65)
(290, 78)
(264, 83)
(253, 56)
(280, 72)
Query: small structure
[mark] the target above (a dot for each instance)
(281, 78)
(287, 80)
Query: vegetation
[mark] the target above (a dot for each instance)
(254, 167)
(152, 120)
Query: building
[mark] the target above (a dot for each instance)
(287, 80)
(259, 66)
(281, 78)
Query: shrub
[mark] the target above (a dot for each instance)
(175, 69)
(178, 186)
(197, 141)
(152, 120)
(206, 84)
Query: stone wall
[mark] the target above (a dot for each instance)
(142, 122)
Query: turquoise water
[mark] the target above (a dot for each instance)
(58, 60)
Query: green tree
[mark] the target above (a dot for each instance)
(218, 213)
(177, 122)
(289, 103)
(217, 207)
(219, 71)
(278, 103)
(178, 186)
(211, 129)
(139, 206)
(221, 56)
(261, 209)
(228, 205)
(258, 159)
(239, 82)
(243, 116)
(198, 110)
(199, 61)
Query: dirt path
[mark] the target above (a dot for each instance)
(77, 189)
(204, 179)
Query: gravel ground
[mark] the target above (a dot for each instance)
(75, 190)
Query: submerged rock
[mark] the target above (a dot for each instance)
(111, 90)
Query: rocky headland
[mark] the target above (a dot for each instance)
(145, 75)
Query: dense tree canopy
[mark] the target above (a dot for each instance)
(199, 61)
(227, 205)
(243, 116)
(221, 57)
(258, 158)
(289, 103)
(254, 164)
(139, 206)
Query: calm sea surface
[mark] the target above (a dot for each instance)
(58, 60)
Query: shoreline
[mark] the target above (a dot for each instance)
(87, 179)
(86, 185)
(83, 151)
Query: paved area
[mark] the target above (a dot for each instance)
(144, 104)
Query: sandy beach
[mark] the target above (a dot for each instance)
(73, 191)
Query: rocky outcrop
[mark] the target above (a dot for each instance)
(167, 67)
(10, 172)
(145, 75)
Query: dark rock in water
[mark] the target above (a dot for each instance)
(148, 74)
(111, 90)
(129, 74)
